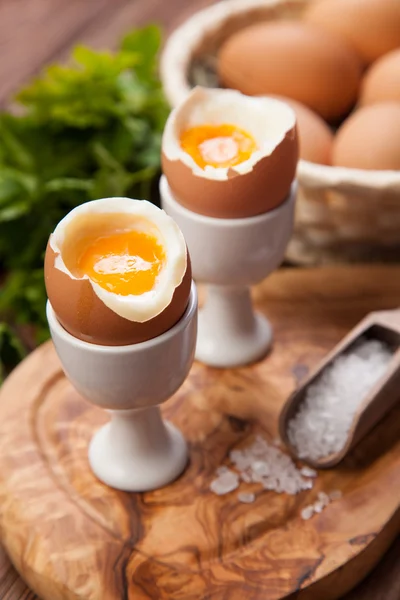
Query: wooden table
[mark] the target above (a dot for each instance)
(36, 32)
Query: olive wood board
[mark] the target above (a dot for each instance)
(72, 537)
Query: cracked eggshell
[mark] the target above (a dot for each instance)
(250, 188)
(95, 315)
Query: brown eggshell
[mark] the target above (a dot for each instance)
(292, 59)
(87, 318)
(372, 27)
(370, 139)
(315, 136)
(253, 193)
(382, 81)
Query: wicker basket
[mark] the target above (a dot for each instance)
(343, 215)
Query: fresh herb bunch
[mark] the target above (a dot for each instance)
(91, 129)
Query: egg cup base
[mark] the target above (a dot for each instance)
(137, 451)
(230, 333)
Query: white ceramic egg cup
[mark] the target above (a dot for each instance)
(230, 255)
(136, 451)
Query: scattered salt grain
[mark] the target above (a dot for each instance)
(318, 506)
(307, 512)
(235, 455)
(261, 468)
(225, 482)
(246, 498)
(244, 476)
(307, 485)
(290, 486)
(308, 472)
(268, 466)
(324, 419)
(324, 498)
(265, 464)
(270, 483)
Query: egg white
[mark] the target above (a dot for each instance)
(138, 308)
(268, 120)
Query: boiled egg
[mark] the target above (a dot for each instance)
(117, 271)
(227, 155)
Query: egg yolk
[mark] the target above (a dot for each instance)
(124, 263)
(218, 145)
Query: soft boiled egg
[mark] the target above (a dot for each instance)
(227, 155)
(117, 271)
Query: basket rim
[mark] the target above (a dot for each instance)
(344, 179)
(174, 64)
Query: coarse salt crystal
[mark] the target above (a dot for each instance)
(244, 476)
(289, 487)
(269, 483)
(256, 478)
(324, 498)
(234, 455)
(246, 498)
(319, 506)
(307, 512)
(308, 472)
(260, 467)
(307, 485)
(264, 464)
(225, 483)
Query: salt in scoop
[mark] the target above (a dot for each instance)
(383, 326)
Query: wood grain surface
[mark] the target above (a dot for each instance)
(73, 537)
(36, 32)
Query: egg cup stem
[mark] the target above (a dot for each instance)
(137, 451)
(231, 333)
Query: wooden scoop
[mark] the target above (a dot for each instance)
(385, 327)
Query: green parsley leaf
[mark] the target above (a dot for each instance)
(88, 129)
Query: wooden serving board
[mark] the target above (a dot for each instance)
(71, 537)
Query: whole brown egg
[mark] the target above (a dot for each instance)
(315, 135)
(370, 139)
(295, 60)
(382, 81)
(371, 27)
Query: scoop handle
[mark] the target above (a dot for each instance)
(387, 318)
